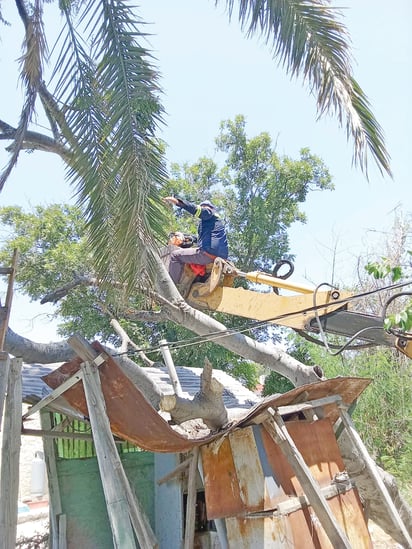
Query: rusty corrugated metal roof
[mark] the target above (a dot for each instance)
(133, 418)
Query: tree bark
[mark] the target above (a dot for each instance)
(207, 404)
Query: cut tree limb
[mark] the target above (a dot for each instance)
(207, 404)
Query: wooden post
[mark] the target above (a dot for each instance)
(4, 375)
(57, 537)
(167, 357)
(125, 514)
(4, 317)
(108, 461)
(9, 478)
(278, 431)
(191, 501)
(371, 466)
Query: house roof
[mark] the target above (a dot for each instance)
(235, 395)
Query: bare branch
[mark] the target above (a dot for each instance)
(34, 141)
(61, 292)
(126, 341)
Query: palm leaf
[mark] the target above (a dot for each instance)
(309, 39)
(32, 59)
(114, 112)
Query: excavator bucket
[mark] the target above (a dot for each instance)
(367, 329)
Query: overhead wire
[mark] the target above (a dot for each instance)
(213, 336)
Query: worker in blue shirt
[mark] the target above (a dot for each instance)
(212, 240)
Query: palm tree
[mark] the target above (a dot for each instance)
(105, 111)
(106, 108)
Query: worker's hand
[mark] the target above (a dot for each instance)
(170, 200)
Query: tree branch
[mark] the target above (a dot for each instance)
(59, 293)
(34, 141)
(207, 404)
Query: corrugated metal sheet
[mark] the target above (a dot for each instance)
(133, 418)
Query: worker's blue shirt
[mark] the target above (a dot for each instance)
(211, 230)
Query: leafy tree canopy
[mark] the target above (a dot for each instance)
(104, 110)
(260, 192)
(265, 191)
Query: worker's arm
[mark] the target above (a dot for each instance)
(194, 209)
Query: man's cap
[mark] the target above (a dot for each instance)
(208, 204)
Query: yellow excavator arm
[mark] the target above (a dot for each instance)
(302, 308)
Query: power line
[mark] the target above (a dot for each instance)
(214, 336)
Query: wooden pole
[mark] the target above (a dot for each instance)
(191, 501)
(4, 323)
(167, 357)
(10, 457)
(371, 466)
(4, 375)
(57, 537)
(108, 460)
(125, 513)
(278, 431)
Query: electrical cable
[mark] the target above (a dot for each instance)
(213, 336)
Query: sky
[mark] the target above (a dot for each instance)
(211, 72)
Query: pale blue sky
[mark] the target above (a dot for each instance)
(210, 72)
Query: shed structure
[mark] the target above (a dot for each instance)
(274, 477)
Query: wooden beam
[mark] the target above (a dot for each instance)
(57, 536)
(124, 512)
(4, 375)
(4, 324)
(54, 394)
(310, 405)
(167, 357)
(62, 543)
(293, 504)
(191, 501)
(374, 473)
(85, 351)
(10, 457)
(56, 434)
(108, 460)
(278, 431)
(179, 469)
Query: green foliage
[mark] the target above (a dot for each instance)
(51, 243)
(384, 269)
(53, 252)
(259, 191)
(383, 412)
(263, 194)
(276, 383)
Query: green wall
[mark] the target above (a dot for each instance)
(83, 501)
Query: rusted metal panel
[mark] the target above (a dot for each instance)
(133, 418)
(348, 388)
(260, 533)
(221, 482)
(237, 476)
(236, 492)
(317, 444)
(248, 469)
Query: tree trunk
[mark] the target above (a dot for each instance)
(375, 508)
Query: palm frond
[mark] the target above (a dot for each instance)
(34, 52)
(114, 111)
(309, 39)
